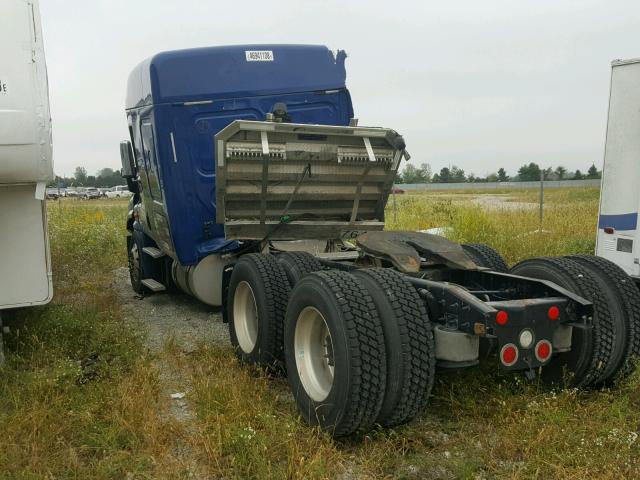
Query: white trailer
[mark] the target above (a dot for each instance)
(25, 158)
(618, 231)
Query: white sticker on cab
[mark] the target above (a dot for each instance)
(259, 55)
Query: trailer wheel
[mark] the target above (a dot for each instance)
(258, 291)
(590, 358)
(617, 283)
(410, 347)
(335, 352)
(297, 264)
(486, 256)
(135, 265)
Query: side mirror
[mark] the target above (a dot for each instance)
(128, 161)
(129, 171)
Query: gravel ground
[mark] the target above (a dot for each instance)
(164, 315)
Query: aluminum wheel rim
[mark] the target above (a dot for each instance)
(314, 354)
(245, 317)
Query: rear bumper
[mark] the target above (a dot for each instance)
(530, 323)
(519, 323)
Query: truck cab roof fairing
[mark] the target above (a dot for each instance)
(224, 72)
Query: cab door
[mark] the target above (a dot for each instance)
(156, 213)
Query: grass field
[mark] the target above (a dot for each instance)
(80, 394)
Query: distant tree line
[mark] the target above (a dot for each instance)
(108, 177)
(105, 177)
(526, 173)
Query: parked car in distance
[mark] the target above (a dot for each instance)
(397, 190)
(90, 193)
(53, 193)
(121, 191)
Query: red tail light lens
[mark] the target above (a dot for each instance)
(509, 354)
(609, 230)
(502, 317)
(543, 350)
(553, 313)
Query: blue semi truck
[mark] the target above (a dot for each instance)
(256, 191)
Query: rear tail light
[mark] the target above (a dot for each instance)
(509, 354)
(502, 317)
(609, 230)
(553, 313)
(543, 350)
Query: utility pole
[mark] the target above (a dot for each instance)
(541, 197)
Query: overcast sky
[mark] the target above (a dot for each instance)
(478, 84)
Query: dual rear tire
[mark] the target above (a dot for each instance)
(409, 344)
(621, 292)
(358, 348)
(604, 352)
(258, 294)
(382, 353)
(335, 353)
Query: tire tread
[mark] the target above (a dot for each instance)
(485, 256)
(603, 333)
(298, 264)
(276, 285)
(367, 350)
(629, 296)
(417, 344)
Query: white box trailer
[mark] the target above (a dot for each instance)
(25, 158)
(618, 232)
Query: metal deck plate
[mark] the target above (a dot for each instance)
(153, 285)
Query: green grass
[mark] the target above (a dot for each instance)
(569, 223)
(81, 398)
(78, 396)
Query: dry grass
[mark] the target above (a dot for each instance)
(78, 396)
(479, 424)
(569, 225)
